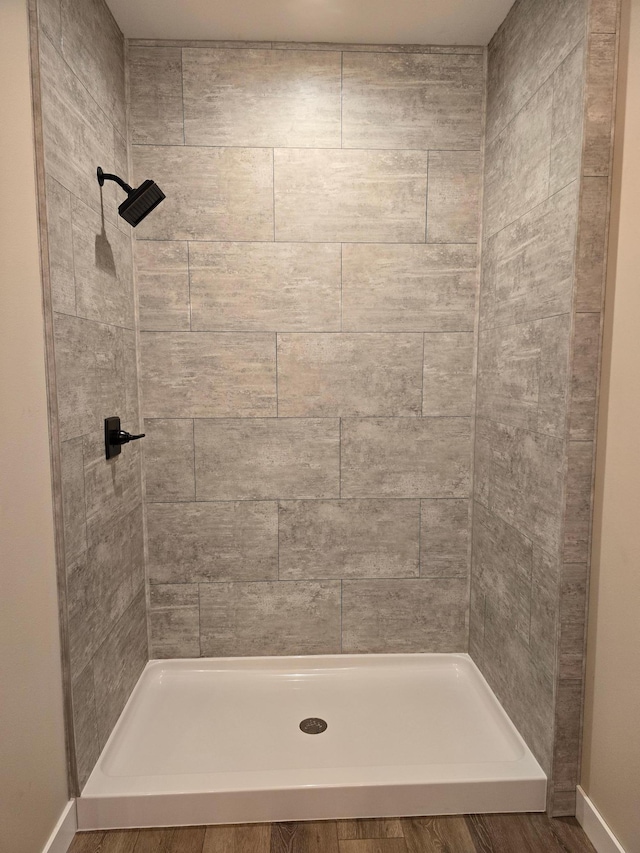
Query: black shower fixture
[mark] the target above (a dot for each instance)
(140, 201)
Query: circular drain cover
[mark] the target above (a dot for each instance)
(313, 726)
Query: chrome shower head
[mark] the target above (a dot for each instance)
(139, 202)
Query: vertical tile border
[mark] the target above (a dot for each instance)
(567, 744)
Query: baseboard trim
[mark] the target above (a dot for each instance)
(594, 825)
(64, 831)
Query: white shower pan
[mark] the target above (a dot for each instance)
(219, 741)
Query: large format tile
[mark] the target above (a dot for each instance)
(502, 569)
(73, 499)
(448, 374)
(102, 582)
(399, 616)
(577, 521)
(592, 239)
(85, 727)
(601, 81)
(78, 137)
(155, 95)
(348, 539)
(350, 196)
(118, 665)
(517, 164)
(406, 457)
(174, 620)
(267, 458)
(453, 196)
(286, 618)
(412, 101)
(169, 460)
(204, 375)
(49, 20)
(525, 475)
(60, 245)
(545, 579)
(162, 278)
(259, 98)
(584, 377)
(335, 375)
(528, 267)
(112, 488)
(553, 375)
(93, 46)
(202, 542)
(444, 538)
(103, 269)
(408, 288)
(533, 40)
(285, 287)
(211, 193)
(90, 373)
(567, 127)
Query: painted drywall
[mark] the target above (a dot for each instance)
(33, 786)
(443, 22)
(611, 751)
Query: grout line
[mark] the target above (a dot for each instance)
(311, 149)
(326, 242)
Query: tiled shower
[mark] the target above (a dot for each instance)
(361, 336)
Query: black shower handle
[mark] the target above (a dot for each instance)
(123, 437)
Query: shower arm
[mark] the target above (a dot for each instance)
(106, 176)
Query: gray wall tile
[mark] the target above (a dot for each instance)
(283, 287)
(444, 538)
(90, 373)
(87, 744)
(577, 522)
(131, 414)
(204, 542)
(207, 374)
(264, 459)
(584, 378)
(155, 95)
(174, 620)
(162, 276)
(111, 488)
(448, 374)
(93, 46)
(103, 269)
(567, 130)
(527, 268)
(348, 539)
(61, 275)
(411, 101)
(408, 288)
(453, 196)
(601, 81)
(533, 40)
(49, 20)
(77, 135)
(350, 196)
(553, 393)
(294, 618)
(603, 16)
(169, 460)
(573, 619)
(404, 615)
(211, 193)
(335, 375)
(406, 457)
(517, 164)
(259, 98)
(118, 665)
(545, 580)
(73, 509)
(592, 239)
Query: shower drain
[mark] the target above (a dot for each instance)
(313, 726)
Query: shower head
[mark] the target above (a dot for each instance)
(139, 202)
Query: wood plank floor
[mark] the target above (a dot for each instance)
(513, 833)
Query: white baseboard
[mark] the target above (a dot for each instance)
(594, 825)
(63, 832)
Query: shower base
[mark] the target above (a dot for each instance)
(220, 741)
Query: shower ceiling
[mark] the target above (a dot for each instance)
(358, 21)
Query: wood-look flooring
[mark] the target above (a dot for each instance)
(513, 833)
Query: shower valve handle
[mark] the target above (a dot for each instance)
(122, 437)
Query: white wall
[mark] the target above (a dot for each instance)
(33, 787)
(611, 757)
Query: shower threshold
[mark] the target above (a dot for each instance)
(242, 740)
